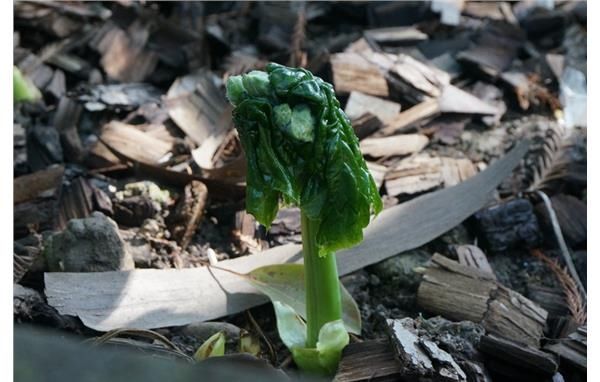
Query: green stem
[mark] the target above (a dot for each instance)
(323, 301)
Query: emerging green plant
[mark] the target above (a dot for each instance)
(23, 89)
(214, 346)
(301, 150)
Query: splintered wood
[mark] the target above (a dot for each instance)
(123, 55)
(368, 361)
(366, 125)
(456, 100)
(352, 72)
(461, 293)
(418, 79)
(514, 358)
(395, 145)
(422, 173)
(572, 349)
(473, 257)
(360, 103)
(200, 109)
(421, 111)
(131, 143)
(396, 34)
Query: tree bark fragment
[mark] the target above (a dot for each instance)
(460, 292)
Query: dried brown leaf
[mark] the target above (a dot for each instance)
(576, 305)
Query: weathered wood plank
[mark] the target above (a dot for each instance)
(368, 361)
(518, 354)
(462, 292)
(422, 172)
(396, 145)
(133, 143)
(573, 349)
(360, 103)
(353, 72)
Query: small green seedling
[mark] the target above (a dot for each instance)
(249, 343)
(301, 150)
(214, 346)
(23, 89)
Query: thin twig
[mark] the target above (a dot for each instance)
(228, 270)
(140, 333)
(286, 362)
(561, 242)
(272, 353)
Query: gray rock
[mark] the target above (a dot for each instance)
(400, 269)
(460, 339)
(91, 244)
(139, 248)
(203, 330)
(25, 300)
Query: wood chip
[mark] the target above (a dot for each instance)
(456, 100)
(472, 256)
(422, 79)
(38, 184)
(515, 353)
(409, 117)
(366, 125)
(353, 72)
(369, 361)
(551, 299)
(360, 103)
(123, 55)
(160, 298)
(395, 145)
(484, 9)
(422, 173)
(133, 143)
(201, 110)
(496, 47)
(572, 349)
(514, 316)
(405, 35)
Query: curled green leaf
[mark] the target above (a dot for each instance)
(301, 150)
(212, 347)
